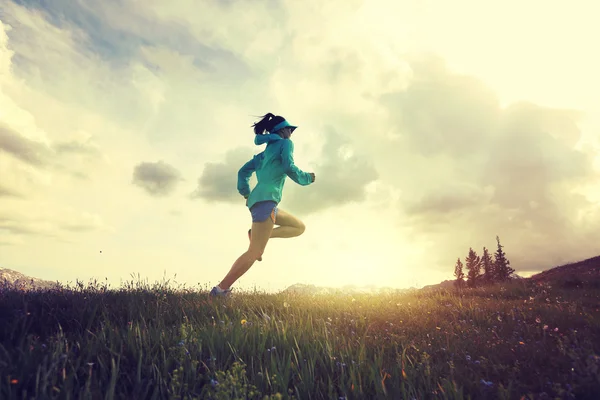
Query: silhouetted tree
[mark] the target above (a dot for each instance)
(473, 265)
(502, 270)
(488, 266)
(459, 274)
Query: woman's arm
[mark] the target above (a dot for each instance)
(244, 174)
(295, 173)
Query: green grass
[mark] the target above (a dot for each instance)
(140, 341)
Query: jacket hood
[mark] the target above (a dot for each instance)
(262, 139)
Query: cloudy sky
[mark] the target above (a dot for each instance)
(432, 127)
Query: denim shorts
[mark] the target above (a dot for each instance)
(263, 210)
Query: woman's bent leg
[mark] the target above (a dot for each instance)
(289, 226)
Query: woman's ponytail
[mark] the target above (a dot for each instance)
(261, 126)
(267, 123)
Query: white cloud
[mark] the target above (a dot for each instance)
(156, 178)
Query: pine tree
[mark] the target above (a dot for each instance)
(473, 265)
(488, 266)
(459, 274)
(501, 267)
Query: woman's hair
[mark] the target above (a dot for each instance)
(267, 123)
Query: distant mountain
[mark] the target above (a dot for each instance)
(15, 279)
(300, 288)
(448, 284)
(581, 273)
(577, 274)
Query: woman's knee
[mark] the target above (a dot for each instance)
(254, 254)
(301, 227)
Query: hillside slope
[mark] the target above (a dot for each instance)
(586, 272)
(11, 278)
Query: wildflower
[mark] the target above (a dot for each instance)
(545, 327)
(286, 304)
(244, 322)
(14, 381)
(487, 383)
(538, 320)
(214, 382)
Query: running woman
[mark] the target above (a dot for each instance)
(271, 167)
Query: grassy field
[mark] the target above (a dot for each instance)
(518, 341)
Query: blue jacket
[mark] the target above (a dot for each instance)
(271, 166)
